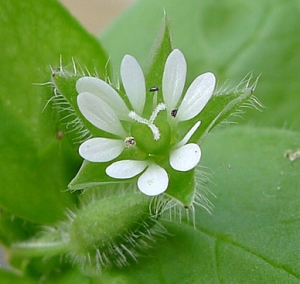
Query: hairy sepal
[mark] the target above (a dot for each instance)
(65, 101)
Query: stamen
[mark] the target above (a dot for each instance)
(155, 100)
(129, 141)
(174, 112)
(154, 90)
(188, 136)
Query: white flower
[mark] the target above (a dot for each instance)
(102, 106)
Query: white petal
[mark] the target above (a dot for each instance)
(197, 96)
(185, 158)
(101, 149)
(134, 83)
(126, 168)
(153, 181)
(188, 136)
(174, 78)
(104, 91)
(100, 114)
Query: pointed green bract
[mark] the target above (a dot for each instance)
(159, 52)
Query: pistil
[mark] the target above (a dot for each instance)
(150, 123)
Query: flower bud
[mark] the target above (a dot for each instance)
(112, 230)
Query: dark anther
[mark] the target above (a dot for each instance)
(154, 89)
(174, 112)
(129, 142)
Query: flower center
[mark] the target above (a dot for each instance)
(150, 122)
(149, 137)
(146, 142)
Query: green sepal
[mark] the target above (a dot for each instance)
(159, 53)
(90, 175)
(181, 184)
(181, 187)
(219, 108)
(75, 123)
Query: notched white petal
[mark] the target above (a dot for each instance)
(125, 169)
(197, 96)
(101, 149)
(104, 91)
(185, 158)
(153, 181)
(134, 83)
(174, 78)
(100, 114)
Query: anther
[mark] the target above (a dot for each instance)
(129, 141)
(154, 89)
(174, 112)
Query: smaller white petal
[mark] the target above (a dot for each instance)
(101, 149)
(134, 83)
(104, 91)
(188, 136)
(197, 96)
(100, 114)
(126, 168)
(174, 78)
(185, 158)
(153, 181)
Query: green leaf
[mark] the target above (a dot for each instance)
(71, 276)
(252, 235)
(9, 277)
(14, 229)
(37, 160)
(229, 38)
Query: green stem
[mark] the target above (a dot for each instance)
(40, 248)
